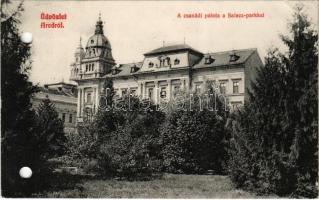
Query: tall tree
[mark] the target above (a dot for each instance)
(51, 138)
(17, 121)
(276, 133)
(301, 103)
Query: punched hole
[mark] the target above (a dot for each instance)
(26, 37)
(25, 172)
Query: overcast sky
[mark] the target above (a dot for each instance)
(135, 27)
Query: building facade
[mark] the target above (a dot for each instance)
(162, 72)
(63, 96)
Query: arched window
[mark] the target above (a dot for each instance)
(92, 67)
(168, 60)
(86, 67)
(176, 61)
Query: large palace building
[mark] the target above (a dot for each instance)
(163, 71)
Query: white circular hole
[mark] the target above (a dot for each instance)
(25, 172)
(26, 37)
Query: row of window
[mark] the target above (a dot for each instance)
(67, 120)
(93, 52)
(175, 89)
(89, 67)
(149, 92)
(125, 91)
(209, 59)
(235, 87)
(162, 91)
(222, 87)
(164, 62)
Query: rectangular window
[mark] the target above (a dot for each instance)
(163, 92)
(235, 87)
(197, 89)
(89, 98)
(70, 118)
(133, 91)
(124, 91)
(63, 117)
(176, 89)
(150, 93)
(222, 87)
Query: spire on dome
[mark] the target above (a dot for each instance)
(99, 26)
(80, 44)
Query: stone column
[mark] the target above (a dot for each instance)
(169, 87)
(156, 92)
(183, 83)
(229, 86)
(139, 89)
(186, 84)
(82, 103)
(78, 110)
(97, 98)
(144, 90)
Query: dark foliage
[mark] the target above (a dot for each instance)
(18, 147)
(81, 149)
(130, 135)
(21, 144)
(194, 139)
(274, 144)
(50, 136)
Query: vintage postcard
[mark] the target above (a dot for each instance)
(159, 99)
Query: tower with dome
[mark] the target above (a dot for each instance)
(89, 67)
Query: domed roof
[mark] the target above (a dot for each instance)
(98, 39)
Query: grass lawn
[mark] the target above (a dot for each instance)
(168, 186)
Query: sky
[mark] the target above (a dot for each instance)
(136, 27)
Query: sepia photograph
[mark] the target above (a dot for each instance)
(159, 99)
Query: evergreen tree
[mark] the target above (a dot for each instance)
(276, 133)
(301, 103)
(18, 147)
(51, 138)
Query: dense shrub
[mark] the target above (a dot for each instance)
(130, 146)
(81, 149)
(274, 144)
(194, 138)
